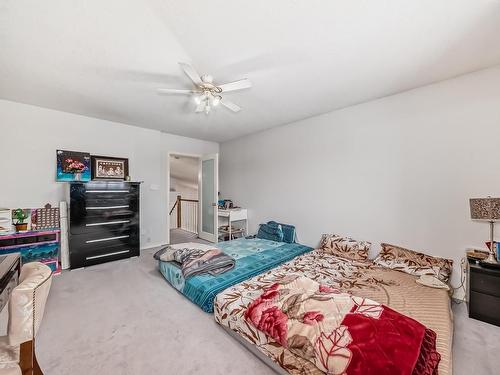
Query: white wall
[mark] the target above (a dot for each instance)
(400, 169)
(183, 188)
(29, 137)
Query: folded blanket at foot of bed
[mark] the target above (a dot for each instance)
(197, 261)
(343, 334)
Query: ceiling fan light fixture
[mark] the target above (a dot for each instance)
(205, 93)
(201, 98)
(216, 100)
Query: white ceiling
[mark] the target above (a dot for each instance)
(106, 58)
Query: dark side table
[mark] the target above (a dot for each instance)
(10, 267)
(483, 293)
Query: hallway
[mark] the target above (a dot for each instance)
(181, 236)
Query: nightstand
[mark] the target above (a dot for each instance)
(230, 216)
(483, 293)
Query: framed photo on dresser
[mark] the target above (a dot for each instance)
(109, 168)
(72, 166)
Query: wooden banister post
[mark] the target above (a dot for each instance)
(179, 213)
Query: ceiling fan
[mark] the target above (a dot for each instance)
(206, 93)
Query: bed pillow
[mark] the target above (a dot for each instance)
(414, 262)
(288, 231)
(345, 247)
(271, 231)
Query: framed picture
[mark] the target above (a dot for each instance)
(109, 168)
(72, 166)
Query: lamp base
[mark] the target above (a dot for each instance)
(491, 258)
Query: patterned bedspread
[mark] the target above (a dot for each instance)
(252, 256)
(395, 289)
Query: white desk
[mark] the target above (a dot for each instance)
(232, 215)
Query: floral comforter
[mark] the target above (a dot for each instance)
(397, 290)
(340, 333)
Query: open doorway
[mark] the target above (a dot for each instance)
(192, 210)
(183, 198)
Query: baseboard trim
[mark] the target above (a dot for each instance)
(150, 247)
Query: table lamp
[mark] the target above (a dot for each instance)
(487, 209)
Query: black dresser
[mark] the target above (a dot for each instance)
(104, 222)
(483, 286)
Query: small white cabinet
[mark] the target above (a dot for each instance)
(230, 216)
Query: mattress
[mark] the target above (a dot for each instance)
(253, 257)
(398, 290)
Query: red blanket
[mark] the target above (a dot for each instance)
(342, 334)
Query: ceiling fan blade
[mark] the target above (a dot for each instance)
(175, 91)
(191, 73)
(236, 85)
(201, 106)
(233, 107)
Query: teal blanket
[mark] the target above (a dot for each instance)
(253, 257)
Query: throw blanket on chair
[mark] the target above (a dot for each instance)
(196, 261)
(342, 334)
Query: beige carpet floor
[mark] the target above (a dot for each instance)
(180, 236)
(124, 318)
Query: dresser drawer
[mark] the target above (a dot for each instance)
(484, 283)
(91, 256)
(82, 242)
(103, 225)
(103, 202)
(90, 191)
(484, 307)
(28, 240)
(46, 238)
(100, 216)
(93, 215)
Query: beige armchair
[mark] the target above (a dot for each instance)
(26, 307)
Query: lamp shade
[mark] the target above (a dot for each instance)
(485, 209)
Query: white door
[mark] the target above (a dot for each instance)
(208, 192)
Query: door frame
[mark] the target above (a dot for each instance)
(169, 155)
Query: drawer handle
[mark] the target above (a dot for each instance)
(106, 208)
(107, 239)
(107, 255)
(108, 223)
(107, 191)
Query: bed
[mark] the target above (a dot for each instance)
(253, 257)
(395, 289)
